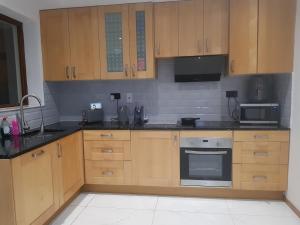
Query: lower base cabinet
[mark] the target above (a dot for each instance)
(260, 177)
(155, 157)
(35, 185)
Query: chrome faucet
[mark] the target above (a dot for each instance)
(24, 124)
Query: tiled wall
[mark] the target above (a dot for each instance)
(164, 100)
(33, 116)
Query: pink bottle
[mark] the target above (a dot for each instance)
(15, 128)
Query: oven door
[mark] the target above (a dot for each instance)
(205, 167)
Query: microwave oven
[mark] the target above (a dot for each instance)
(260, 113)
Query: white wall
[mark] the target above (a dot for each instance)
(28, 13)
(293, 193)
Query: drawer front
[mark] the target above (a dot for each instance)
(261, 152)
(107, 135)
(107, 150)
(108, 172)
(262, 136)
(260, 177)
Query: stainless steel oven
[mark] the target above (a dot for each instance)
(206, 162)
(260, 113)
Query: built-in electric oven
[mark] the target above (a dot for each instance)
(206, 162)
(260, 113)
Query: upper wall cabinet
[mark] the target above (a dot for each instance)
(203, 27)
(191, 27)
(126, 38)
(166, 29)
(261, 36)
(70, 44)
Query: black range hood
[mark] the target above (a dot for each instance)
(199, 69)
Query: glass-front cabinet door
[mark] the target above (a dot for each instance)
(141, 40)
(114, 42)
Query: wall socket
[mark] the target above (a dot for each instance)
(129, 98)
(115, 96)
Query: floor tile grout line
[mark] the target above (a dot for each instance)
(83, 208)
(155, 209)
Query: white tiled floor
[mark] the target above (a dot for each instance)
(106, 209)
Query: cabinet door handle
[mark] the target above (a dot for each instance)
(261, 136)
(106, 135)
(133, 70)
(232, 66)
(37, 154)
(74, 72)
(126, 70)
(260, 178)
(68, 72)
(108, 173)
(107, 151)
(59, 151)
(206, 45)
(261, 154)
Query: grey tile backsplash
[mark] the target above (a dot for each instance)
(33, 116)
(165, 101)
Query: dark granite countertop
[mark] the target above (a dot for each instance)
(16, 146)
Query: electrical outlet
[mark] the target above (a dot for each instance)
(115, 96)
(231, 94)
(129, 98)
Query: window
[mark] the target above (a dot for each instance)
(13, 84)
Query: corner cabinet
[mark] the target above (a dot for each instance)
(35, 185)
(126, 34)
(155, 158)
(261, 36)
(70, 44)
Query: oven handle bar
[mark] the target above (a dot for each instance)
(206, 152)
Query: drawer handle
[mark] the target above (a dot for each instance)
(260, 178)
(261, 136)
(108, 173)
(261, 154)
(37, 154)
(106, 135)
(107, 151)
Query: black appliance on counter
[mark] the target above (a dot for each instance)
(139, 116)
(260, 113)
(93, 116)
(199, 68)
(206, 162)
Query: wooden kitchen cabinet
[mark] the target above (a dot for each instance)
(70, 155)
(126, 38)
(55, 44)
(141, 29)
(155, 158)
(107, 156)
(243, 37)
(276, 29)
(70, 44)
(216, 26)
(35, 185)
(261, 36)
(84, 43)
(260, 160)
(203, 27)
(166, 29)
(191, 27)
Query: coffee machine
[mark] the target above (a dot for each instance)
(139, 115)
